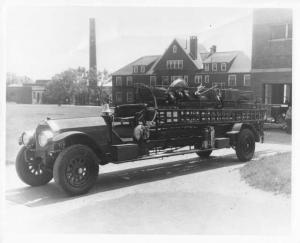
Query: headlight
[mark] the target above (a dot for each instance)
(44, 137)
(26, 137)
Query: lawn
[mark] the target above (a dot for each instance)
(20, 118)
(270, 173)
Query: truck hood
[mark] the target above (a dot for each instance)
(78, 124)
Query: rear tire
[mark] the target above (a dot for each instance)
(245, 146)
(76, 169)
(31, 170)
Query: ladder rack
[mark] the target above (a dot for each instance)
(171, 117)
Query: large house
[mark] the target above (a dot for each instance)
(184, 59)
(272, 55)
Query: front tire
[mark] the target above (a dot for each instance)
(245, 146)
(31, 170)
(76, 169)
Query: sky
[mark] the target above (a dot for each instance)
(42, 41)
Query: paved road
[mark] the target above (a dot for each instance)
(178, 195)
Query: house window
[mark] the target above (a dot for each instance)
(206, 67)
(129, 97)
(135, 69)
(165, 80)
(174, 64)
(129, 81)
(247, 80)
(281, 32)
(206, 79)
(118, 81)
(198, 79)
(223, 66)
(180, 66)
(174, 49)
(232, 80)
(142, 69)
(153, 81)
(186, 78)
(214, 67)
(119, 97)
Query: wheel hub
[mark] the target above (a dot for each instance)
(77, 172)
(80, 171)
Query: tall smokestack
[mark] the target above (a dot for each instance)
(93, 55)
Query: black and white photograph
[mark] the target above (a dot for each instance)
(149, 120)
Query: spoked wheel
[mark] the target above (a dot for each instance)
(76, 169)
(31, 170)
(245, 145)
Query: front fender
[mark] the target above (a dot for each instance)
(66, 139)
(62, 136)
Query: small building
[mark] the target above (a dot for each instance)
(19, 94)
(272, 55)
(29, 93)
(188, 60)
(37, 94)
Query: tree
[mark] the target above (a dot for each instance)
(12, 78)
(71, 86)
(63, 86)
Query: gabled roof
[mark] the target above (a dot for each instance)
(204, 55)
(227, 56)
(241, 63)
(185, 46)
(128, 69)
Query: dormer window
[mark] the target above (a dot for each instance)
(223, 66)
(174, 49)
(135, 69)
(214, 67)
(142, 69)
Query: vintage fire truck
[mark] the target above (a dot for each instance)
(178, 120)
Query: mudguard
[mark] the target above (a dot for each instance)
(77, 137)
(62, 136)
(237, 127)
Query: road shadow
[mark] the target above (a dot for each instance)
(50, 193)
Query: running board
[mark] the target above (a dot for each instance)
(164, 155)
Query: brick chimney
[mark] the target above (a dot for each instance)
(193, 47)
(93, 55)
(213, 49)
